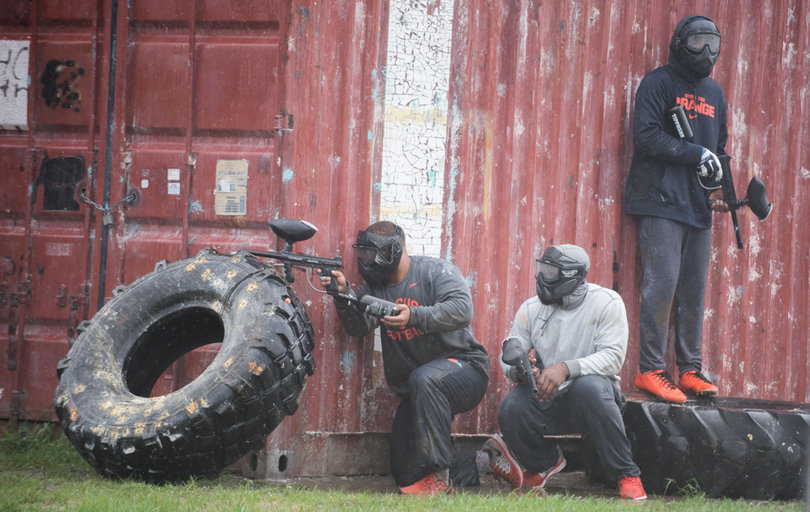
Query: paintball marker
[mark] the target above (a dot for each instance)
(756, 197)
(294, 230)
(514, 355)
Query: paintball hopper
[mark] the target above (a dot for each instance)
(756, 197)
(513, 355)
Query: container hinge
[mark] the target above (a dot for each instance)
(13, 318)
(61, 299)
(192, 160)
(73, 317)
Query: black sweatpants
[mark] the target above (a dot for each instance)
(420, 435)
(591, 404)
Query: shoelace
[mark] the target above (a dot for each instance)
(700, 376)
(502, 464)
(666, 380)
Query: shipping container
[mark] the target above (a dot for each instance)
(141, 131)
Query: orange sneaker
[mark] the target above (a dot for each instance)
(696, 384)
(538, 480)
(630, 488)
(502, 462)
(431, 485)
(659, 383)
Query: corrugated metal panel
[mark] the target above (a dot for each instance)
(46, 240)
(539, 143)
(540, 147)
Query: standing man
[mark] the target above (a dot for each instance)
(579, 334)
(431, 358)
(673, 189)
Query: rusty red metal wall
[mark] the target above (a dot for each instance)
(539, 150)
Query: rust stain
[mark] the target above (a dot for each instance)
(73, 414)
(229, 362)
(242, 304)
(232, 274)
(252, 287)
(207, 275)
(191, 266)
(79, 389)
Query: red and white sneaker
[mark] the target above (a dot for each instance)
(431, 485)
(538, 480)
(502, 462)
(630, 488)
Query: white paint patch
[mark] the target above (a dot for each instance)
(417, 80)
(805, 173)
(753, 274)
(788, 53)
(15, 82)
(594, 17)
(752, 320)
(775, 289)
(754, 243)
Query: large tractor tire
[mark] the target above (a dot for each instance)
(103, 398)
(733, 447)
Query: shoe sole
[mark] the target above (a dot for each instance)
(553, 471)
(506, 453)
(661, 398)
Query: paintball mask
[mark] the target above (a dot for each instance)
(559, 272)
(378, 256)
(697, 46)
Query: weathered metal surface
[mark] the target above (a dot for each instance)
(540, 146)
(537, 150)
(46, 225)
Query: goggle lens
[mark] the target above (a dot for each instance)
(696, 42)
(549, 272)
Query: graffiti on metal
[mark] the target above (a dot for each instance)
(417, 79)
(60, 84)
(60, 177)
(14, 84)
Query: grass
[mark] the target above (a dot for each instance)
(40, 470)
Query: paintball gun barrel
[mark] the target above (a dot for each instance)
(294, 230)
(514, 355)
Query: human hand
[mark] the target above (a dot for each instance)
(709, 166)
(399, 321)
(343, 284)
(717, 201)
(550, 381)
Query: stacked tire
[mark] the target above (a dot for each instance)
(732, 447)
(103, 398)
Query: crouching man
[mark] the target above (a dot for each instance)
(579, 333)
(431, 358)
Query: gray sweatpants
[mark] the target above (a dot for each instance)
(674, 264)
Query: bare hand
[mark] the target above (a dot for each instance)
(550, 381)
(399, 321)
(341, 280)
(716, 201)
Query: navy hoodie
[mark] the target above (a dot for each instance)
(663, 181)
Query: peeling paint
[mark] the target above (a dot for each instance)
(287, 175)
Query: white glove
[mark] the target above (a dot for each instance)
(709, 166)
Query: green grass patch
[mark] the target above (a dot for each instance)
(40, 470)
